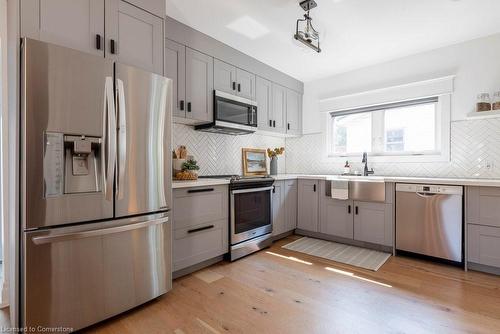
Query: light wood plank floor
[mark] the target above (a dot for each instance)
(268, 292)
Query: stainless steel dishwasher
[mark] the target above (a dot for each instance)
(429, 220)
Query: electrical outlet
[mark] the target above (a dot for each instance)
(489, 165)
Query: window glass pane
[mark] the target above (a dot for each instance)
(352, 133)
(410, 129)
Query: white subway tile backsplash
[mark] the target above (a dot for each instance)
(219, 154)
(475, 152)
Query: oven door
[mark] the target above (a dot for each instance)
(235, 110)
(251, 214)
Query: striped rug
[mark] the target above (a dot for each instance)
(352, 255)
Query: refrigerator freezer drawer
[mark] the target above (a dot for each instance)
(77, 276)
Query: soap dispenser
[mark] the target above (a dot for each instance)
(347, 168)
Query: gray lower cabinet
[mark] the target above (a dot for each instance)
(290, 196)
(134, 36)
(284, 206)
(278, 206)
(483, 226)
(200, 225)
(373, 223)
(199, 86)
(336, 218)
(483, 245)
(77, 24)
(308, 205)
(175, 69)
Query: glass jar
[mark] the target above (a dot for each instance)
(483, 102)
(496, 101)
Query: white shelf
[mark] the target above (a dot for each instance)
(483, 114)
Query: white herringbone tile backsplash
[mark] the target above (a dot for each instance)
(475, 152)
(221, 154)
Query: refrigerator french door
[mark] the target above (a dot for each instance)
(95, 157)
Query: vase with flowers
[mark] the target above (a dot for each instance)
(273, 155)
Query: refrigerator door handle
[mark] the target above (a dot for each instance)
(122, 136)
(99, 232)
(109, 140)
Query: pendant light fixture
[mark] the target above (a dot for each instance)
(304, 31)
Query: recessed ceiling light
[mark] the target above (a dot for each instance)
(248, 27)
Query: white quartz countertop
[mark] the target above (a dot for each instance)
(402, 179)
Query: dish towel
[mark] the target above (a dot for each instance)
(340, 189)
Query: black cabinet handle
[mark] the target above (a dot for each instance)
(274, 124)
(181, 105)
(274, 189)
(205, 190)
(98, 42)
(112, 48)
(234, 85)
(201, 228)
(349, 209)
(314, 188)
(189, 106)
(288, 126)
(271, 123)
(357, 211)
(239, 87)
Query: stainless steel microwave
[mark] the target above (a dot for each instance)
(233, 115)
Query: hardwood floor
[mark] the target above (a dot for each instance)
(268, 292)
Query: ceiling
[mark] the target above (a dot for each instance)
(354, 33)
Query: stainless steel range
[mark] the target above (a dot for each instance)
(250, 205)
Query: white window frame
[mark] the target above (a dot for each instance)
(442, 154)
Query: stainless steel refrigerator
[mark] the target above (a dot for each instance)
(95, 180)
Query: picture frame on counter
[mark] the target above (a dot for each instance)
(254, 161)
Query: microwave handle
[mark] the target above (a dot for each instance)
(253, 115)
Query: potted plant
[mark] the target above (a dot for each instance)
(189, 170)
(273, 155)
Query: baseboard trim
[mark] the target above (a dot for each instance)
(483, 268)
(318, 235)
(282, 235)
(196, 267)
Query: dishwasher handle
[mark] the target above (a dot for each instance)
(425, 195)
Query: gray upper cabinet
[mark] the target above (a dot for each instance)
(199, 86)
(293, 112)
(175, 69)
(245, 85)
(264, 91)
(278, 208)
(308, 205)
(233, 80)
(290, 198)
(224, 77)
(77, 24)
(157, 7)
(279, 108)
(134, 36)
(111, 28)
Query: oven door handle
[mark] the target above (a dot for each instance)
(252, 190)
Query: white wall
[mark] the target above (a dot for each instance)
(476, 65)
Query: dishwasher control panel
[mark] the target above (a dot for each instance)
(430, 189)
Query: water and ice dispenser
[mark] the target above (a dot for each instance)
(72, 164)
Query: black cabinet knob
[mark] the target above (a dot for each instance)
(189, 106)
(181, 104)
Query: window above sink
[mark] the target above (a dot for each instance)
(408, 131)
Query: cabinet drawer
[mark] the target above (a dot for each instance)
(484, 245)
(199, 243)
(195, 206)
(483, 206)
